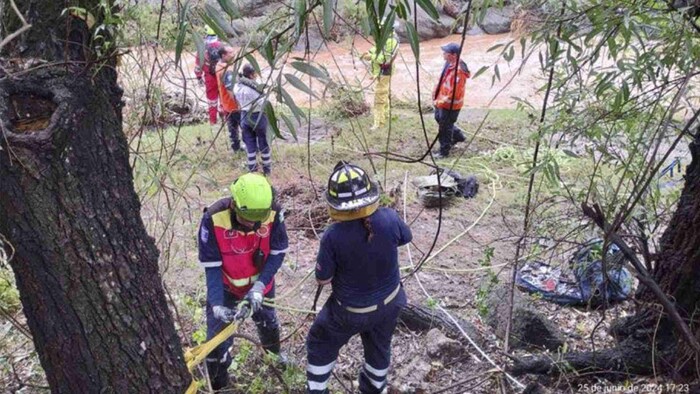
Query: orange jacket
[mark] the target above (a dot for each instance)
(446, 88)
(224, 79)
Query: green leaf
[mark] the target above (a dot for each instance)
(182, 31)
(290, 125)
(289, 102)
(429, 8)
(230, 9)
(272, 118)
(328, 17)
(299, 16)
(309, 69)
(213, 18)
(299, 84)
(508, 56)
(493, 48)
(481, 71)
(199, 44)
(253, 62)
(268, 52)
(413, 39)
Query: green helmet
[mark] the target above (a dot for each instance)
(210, 31)
(252, 197)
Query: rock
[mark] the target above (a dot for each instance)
(475, 31)
(529, 327)
(536, 388)
(412, 376)
(427, 27)
(440, 346)
(497, 20)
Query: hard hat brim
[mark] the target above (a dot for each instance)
(366, 199)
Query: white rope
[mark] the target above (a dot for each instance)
(471, 341)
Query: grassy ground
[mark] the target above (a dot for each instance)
(176, 177)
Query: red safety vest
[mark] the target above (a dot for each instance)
(237, 248)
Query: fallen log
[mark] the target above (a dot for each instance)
(418, 318)
(629, 357)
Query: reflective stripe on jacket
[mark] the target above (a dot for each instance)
(447, 93)
(224, 79)
(237, 248)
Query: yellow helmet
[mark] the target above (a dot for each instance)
(209, 30)
(252, 197)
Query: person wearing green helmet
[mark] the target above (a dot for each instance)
(242, 243)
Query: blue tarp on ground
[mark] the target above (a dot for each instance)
(588, 286)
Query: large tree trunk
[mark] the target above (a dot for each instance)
(678, 274)
(86, 269)
(649, 342)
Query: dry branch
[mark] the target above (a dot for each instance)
(25, 26)
(596, 214)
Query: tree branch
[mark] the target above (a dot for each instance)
(25, 26)
(596, 214)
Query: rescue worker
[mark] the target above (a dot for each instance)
(381, 67)
(253, 120)
(242, 243)
(229, 105)
(206, 74)
(448, 98)
(358, 256)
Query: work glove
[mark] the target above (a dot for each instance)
(226, 315)
(255, 296)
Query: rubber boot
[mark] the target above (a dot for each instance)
(457, 135)
(218, 375)
(366, 387)
(270, 340)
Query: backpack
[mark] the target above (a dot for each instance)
(211, 57)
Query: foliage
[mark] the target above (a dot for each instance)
(140, 27)
(346, 102)
(9, 296)
(487, 284)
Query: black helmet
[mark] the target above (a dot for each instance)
(349, 188)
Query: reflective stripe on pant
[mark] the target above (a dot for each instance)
(333, 328)
(446, 119)
(381, 100)
(233, 120)
(265, 319)
(212, 91)
(254, 131)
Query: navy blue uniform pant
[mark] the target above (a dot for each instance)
(333, 328)
(233, 120)
(448, 133)
(254, 127)
(219, 359)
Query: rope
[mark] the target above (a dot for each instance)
(456, 323)
(197, 354)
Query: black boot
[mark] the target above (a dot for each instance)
(270, 340)
(457, 135)
(218, 375)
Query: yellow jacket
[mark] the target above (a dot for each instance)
(384, 58)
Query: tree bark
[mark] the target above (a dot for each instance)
(86, 269)
(649, 341)
(418, 318)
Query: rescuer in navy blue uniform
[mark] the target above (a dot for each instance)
(358, 256)
(242, 243)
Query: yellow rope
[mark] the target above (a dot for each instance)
(197, 354)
